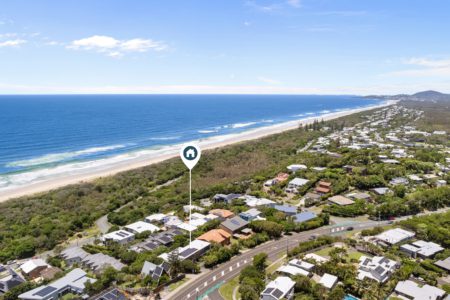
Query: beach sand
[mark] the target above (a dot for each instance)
(141, 161)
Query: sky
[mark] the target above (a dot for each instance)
(224, 46)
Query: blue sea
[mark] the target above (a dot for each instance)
(45, 137)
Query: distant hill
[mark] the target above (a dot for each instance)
(432, 96)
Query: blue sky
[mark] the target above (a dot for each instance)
(224, 46)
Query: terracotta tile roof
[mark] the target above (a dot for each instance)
(215, 235)
(224, 213)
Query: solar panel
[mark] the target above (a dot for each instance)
(158, 271)
(45, 291)
(268, 290)
(186, 253)
(235, 222)
(277, 293)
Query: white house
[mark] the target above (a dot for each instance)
(378, 268)
(280, 288)
(155, 218)
(394, 236)
(141, 226)
(295, 184)
(411, 290)
(329, 281)
(295, 168)
(120, 236)
(422, 249)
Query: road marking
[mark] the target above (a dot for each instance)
(237, 265)
(214, 278)
(245, 261)
(206, 284)
(231, 268)
(223, 273)
(189, 295)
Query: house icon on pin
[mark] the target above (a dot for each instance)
(190, 153)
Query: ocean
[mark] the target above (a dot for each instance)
(42, 137)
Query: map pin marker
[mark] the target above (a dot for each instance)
(190, 155)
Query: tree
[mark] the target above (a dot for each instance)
(260, 261)
(175, 264)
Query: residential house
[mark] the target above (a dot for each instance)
(280, 288)
(152, 270)
(317, 258)
(310, 199)
(73, 282)
(289, 210)
(193, 251)
(323, 187)
(120, 236)
(282, 177)
(156, 218)
(394, 236)
(378, 268)
(218, 236)
(444, 264)
(73, 255)
(304, 217)
(340, 200)
(329, 281)
(234, 225)
(252, 201)
(32, 268)
(295, 184)
(225, 198)
(381, 190)
(222, 213)
(412, 290)
(188, 208)
(250, 215)
(296, 167)
(99, 262)
(399, 181)
(111, 294)
(140, 227)
(421, 249)
(359, 196)
(9, 279)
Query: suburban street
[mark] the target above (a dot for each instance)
(207, 284)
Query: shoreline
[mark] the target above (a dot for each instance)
(171, 151)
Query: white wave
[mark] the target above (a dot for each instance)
(57, 157)
(325, 111)
(166, 138)
(309, 113)
(207, 131)
(240, 125)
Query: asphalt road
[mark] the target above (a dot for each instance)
(208, 283)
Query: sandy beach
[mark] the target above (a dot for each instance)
(145, 158)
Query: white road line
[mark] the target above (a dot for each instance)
(237, 265)
(231, 268)
(214, 278)
(245, 261)
(206, 284)
(223, 273)
(189, 295)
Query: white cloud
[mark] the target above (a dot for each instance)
(12, 43)
(268, 80)
(247, 23)
(424, 67)
(294, 3)
(114, 47)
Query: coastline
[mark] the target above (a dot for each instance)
(151, 157)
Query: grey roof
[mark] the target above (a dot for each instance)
(148, 268)
(100, 261)
(304, 216)
(288, 209)
(9, 279)
(113, 294)
(74, 280)
(235, 223)
(73, 252)
(444, 264)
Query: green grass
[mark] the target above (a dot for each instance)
(352, 254)
(226, 290)
(175, 285)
